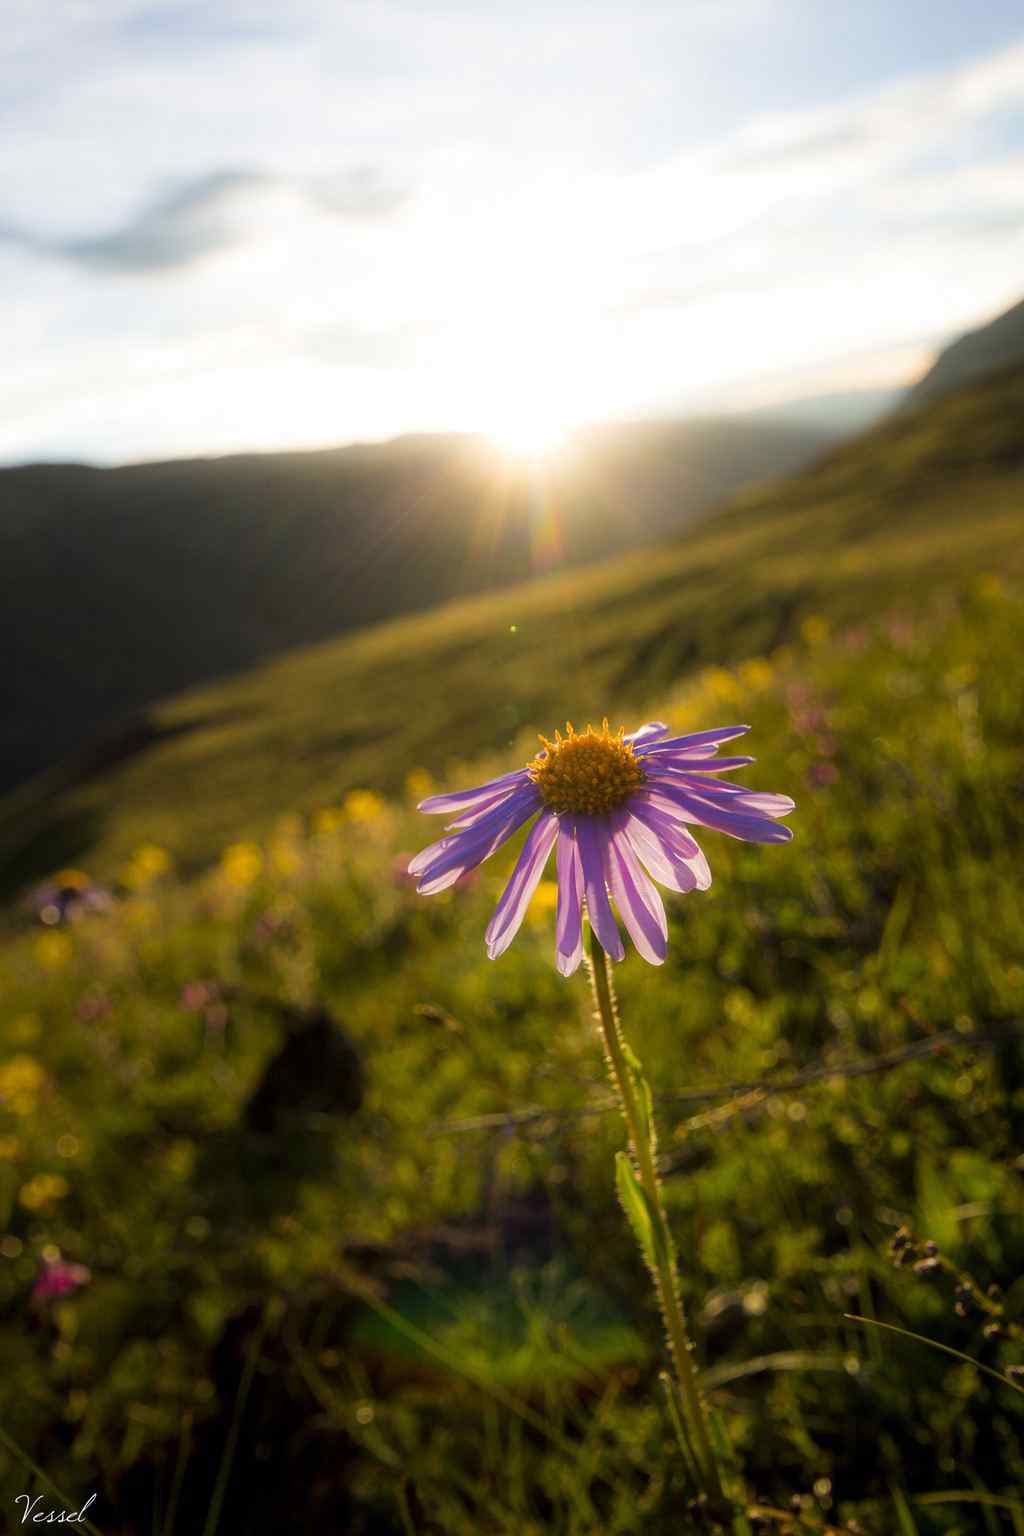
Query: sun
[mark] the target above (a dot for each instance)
(529, 436)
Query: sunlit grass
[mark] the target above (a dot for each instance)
(907, 511)
(894, 916)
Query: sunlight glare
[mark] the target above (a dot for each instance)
(529, 435)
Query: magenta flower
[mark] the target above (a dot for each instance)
(57, 1278)
(615, 809)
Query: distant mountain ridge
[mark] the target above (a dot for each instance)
(999, 344)
(125, 585)
(922, 504)
(842, 411)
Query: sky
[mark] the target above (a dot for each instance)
(261, 224)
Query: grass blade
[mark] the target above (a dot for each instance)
(946, 1349)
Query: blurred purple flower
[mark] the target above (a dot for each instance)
(615, 810)
(207, 998)
(806, 712)
(900, 630)
(197, 995)
(68, 895)
(93, 1007)
(271, 925)
(856, 639)
(57, 1278)
(821, 774)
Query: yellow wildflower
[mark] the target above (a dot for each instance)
(363, 805)
(53, 951)
(721, 685)
(146, 864)
(418, 785)
(545, 900)
(72, 879)
(241, 864)
(328, 821)
(22, 1080)
(43, 1190)
(757, 674)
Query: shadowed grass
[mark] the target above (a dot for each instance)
(916, 504)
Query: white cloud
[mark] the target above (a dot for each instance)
(299, 223)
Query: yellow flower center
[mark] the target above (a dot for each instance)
(588, 774)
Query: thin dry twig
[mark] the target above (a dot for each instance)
(744, 1096)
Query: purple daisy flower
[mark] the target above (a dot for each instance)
(616, 811)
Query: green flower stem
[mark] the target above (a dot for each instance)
(666, 1281)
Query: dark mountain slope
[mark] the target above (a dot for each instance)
(999, 344)
(122, 586)
(914, 507)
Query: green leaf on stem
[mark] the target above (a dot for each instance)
(642, 1093)
(637, 1207)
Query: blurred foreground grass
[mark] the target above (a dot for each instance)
(450, 1328)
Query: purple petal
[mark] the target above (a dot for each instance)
(768, 805)
(440, 865)
(637, 899)
(568, 918)
(647, 733)
(699, 783)
(511, 909)
(685, 858)
(590, 838)
(661, 814)
(699, 740)
(737, 796)
(667, 867)
(748, 826)
(687, 762)
(422, 861)
(478, 812)
(465, 799)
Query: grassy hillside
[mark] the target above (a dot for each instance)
(338, 1189)
(916, 504)
(122, 586)
(999, 344)
(407, 1283)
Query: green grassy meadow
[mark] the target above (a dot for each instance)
(343, 1187)
(920, 502)
(160, 577)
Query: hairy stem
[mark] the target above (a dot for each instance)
(665, 1278)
